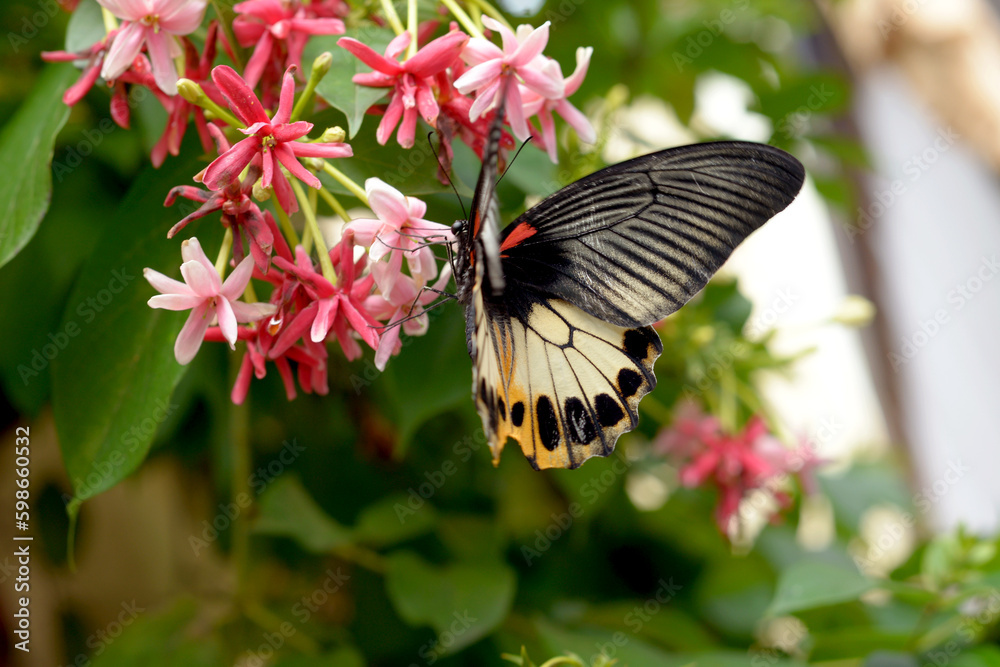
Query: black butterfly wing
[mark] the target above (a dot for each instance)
(632, 243)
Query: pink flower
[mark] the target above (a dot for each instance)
(154, 24)
(208, 298)
(520, 57)
(732, 463)
(331, 308)
(239, 212)
(543, 107)
(411, 80)
(403, 308)
(265, 24)
(94, 57)
(398, 229)
(268, 140)
(197, 69)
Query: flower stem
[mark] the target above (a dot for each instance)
(346, 181)
(194, 94)
(223, 259)
(271, 622)
(392, 16)
(337, 207)
(319, 69)
(286, 225)
(411, 26)
(311, 224)
(462, 18)
(239, 433)
(491, 11)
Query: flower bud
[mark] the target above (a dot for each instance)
(855, 311)
(260, 193)
(333, 135)
(321, 65)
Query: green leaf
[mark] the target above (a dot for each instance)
(164, 639)
(26, 145)
(287, 509)
(462, 602)
(855, 642)
(111, 385)
(86, 27)
(336, 87)
(345, 656)
(392, 520)
(441, 361)
(812, 584)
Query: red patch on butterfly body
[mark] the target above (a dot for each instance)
(520, 233)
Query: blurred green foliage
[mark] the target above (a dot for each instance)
(368, 527)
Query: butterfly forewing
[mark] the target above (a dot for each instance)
(632, 243)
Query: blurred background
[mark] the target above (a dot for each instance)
(377, 532)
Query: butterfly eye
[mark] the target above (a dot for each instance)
(457, 227)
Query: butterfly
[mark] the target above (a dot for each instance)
(559, 305)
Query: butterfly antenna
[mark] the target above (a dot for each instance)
(465, 215)
(521, 148)
(429, 307)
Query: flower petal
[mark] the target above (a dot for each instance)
(478, 76)
(124, 50)
(241, 97)
(226, 168)
(236, 282)
(165, 284)
(369, 56)
(189, 339)
(437, 55)
(175, 301)
(227, 321)
(251, 312)
(388, 203)
(530, 47)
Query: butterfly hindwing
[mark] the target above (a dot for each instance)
(561, 382)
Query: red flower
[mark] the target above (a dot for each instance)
(239, 212)
(278, 27)
(94, 57)
(267, 140)
(332, 308)
(197, 69)
(732, 463)
(411, 80)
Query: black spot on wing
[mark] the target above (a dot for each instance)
(517, 414)
(628, 382)
(609, 412)
(637, 342)
(581, 427)
(503, 409)
(548, 425)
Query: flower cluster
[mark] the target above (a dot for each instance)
(735, 464)
(370, 279)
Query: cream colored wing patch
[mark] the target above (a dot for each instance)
(563, 383)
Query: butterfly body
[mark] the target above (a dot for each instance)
(559, 306)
